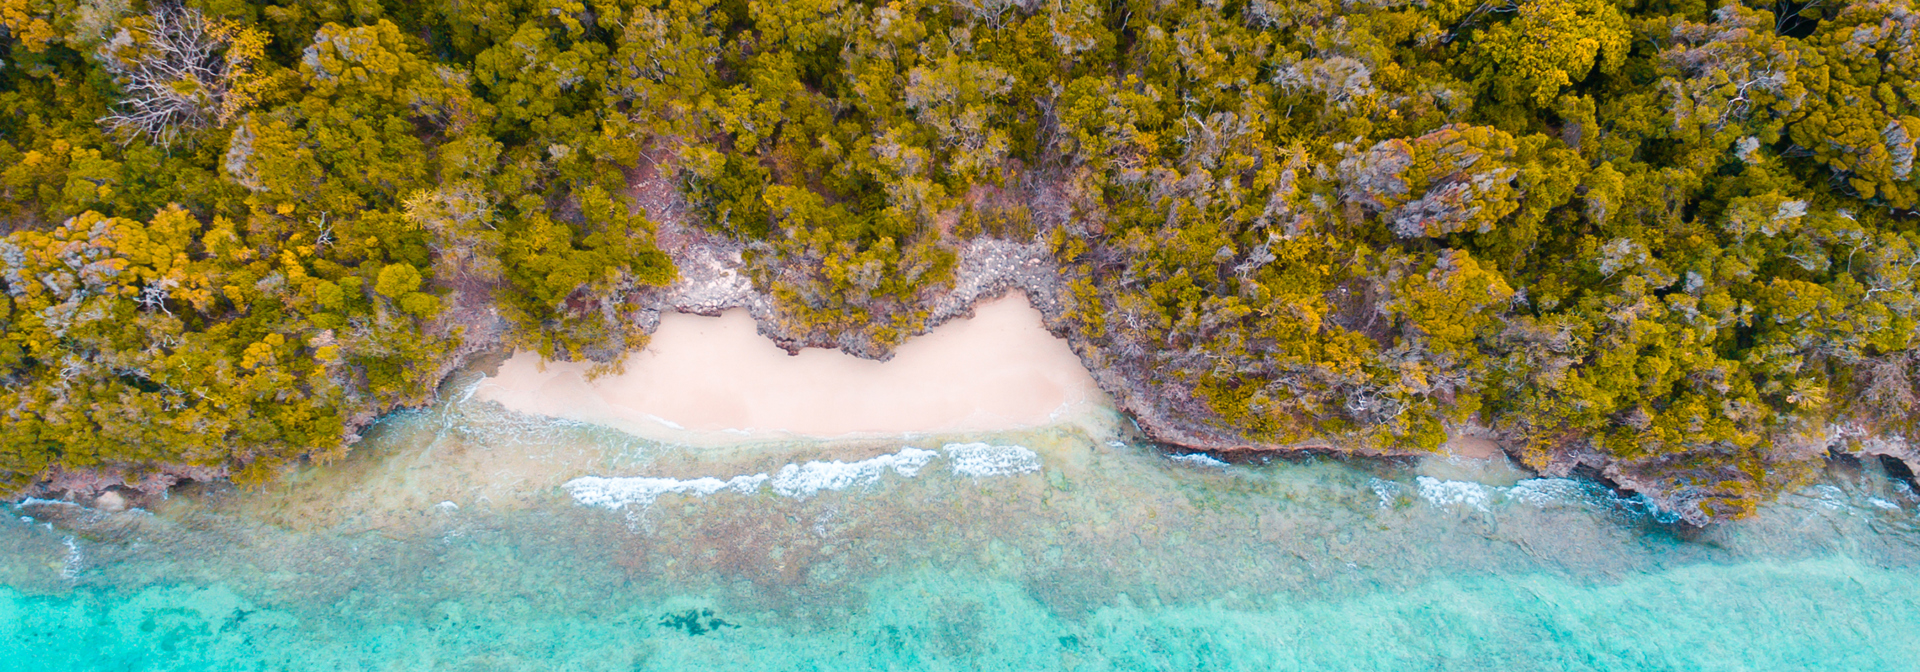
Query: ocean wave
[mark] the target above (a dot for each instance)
(803, 480)
(36, 501)
(616, 492)
(1539, 493)
(1387, 491)
(979, 459)
(1550, 492)
(1828, 497)
(70, 570)
(1450, 493)
(1200, 460)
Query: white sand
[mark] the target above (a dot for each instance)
(713, 379)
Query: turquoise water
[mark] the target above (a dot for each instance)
(459, 539)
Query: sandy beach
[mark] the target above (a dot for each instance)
(707, 379)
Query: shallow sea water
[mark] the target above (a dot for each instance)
(467, 538)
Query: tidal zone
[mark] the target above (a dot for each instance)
(465, 536)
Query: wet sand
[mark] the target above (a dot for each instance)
(714, 379)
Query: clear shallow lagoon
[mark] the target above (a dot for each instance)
(458, 538)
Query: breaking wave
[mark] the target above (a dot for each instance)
(616, 492)
(1200, 460)
(806, 480)
(1452, 493)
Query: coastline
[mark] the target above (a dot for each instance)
(712, 282)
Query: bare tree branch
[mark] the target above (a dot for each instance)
(179, 71)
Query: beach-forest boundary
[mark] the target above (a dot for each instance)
(1669, 244)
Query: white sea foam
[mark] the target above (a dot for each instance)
(663, 421)
(1548, 492)
(617, 492)
(979, 459)
(803, 480)
(1448, 493)
(1830, 497)
(36, 501)
(1387, 491)
(1200, 460)
(71, 570)
(793, 480)
(1883, 504)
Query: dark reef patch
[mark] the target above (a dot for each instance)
(694, 622)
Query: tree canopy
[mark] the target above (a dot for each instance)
(1672, 239)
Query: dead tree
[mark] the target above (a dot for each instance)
(179, 71)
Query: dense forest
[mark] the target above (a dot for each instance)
(1671, 240)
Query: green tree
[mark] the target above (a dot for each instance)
(1548, 46)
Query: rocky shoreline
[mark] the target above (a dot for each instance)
(711, 281)
(713, 278)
